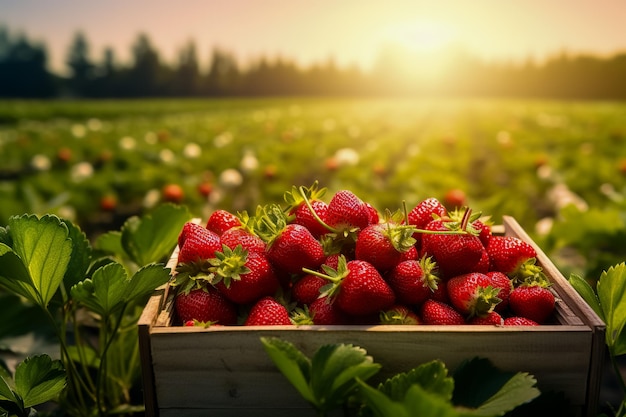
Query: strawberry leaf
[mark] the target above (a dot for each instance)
(36, 263)
(587, 293)
(611, 288)
(39, 379)
(7, 386)
(431, 376)
(152, 237)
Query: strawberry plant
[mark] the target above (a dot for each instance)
(84, 291)
(336, 377)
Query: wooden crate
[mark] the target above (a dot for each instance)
(224, 371)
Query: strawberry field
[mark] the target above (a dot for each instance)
(550, 164)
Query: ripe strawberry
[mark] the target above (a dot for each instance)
(325, 312)
(438, 313)
(491, 318)
(290, 247)
(519, 321)
(456, 253)
(268, 312)
(240, 235)
(358, 288)
(205, 304)
(503, 283)
(413, 281)
(472, 294)
(347, 212)
(197, 243)
(307, 289)
(399, 314)
(484, 230)
(532, 302)
(222, 220)
(423, 213)
(374, 217)
(516, 258)
(383, 244)
(298, 209)
(243, 277)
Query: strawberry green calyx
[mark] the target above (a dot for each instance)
(298, 195)
(270, 222)
(429, 267)
(301, 316)
(396, 316)
(229, 265)
(529, 273)
(334, 276)
(486, 299)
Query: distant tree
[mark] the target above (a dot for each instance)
(144, 77)
(223, 77)
(187, 76)
(80, 65)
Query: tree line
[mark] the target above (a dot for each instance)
(24, 73)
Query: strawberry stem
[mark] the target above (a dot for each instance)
(314, 214)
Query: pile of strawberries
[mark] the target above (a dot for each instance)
(344, 262)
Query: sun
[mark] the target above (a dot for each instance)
(419, 36)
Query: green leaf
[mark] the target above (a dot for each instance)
(292, 363)
(44, 246)
(109, 287)
(7, 385)
(611, 288)
(431, 376)
(481, 386)
(110, 242)
(81, 255)
(14, 276)
(587, 293)
(334, 371)
(20, 317)
(39, 379)
(153, 237)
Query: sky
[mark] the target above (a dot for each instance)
(350, 32)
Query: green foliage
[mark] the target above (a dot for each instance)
(330, 380)
(37, 379)
(48, 261)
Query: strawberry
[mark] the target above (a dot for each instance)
(383, 244)
(399, 314)
(306, 208)
(484, 230)
(325, 312)
(222, 220)
(503, 283)
(519, 321)
(243, 277)
(307, 289)
(454, 245)
(204, 304)
(357, 287)
(423, 213)
(533, 302)
(268, 312)
(438, 313)
(197, 243)
(239, 235)
(491, 318)
(472, 294)
(347, 212)
(413, 281)
(290, 247)
(516, 258)
(374, 217)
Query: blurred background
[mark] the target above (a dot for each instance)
(514, 108)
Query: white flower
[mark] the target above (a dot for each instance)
(167, 156)
(223, 139)
(150, 138)
(128, 143)
(94, 124)
(347, 157)
(230, 178)
(192, 150)
(79, 131)
(151, 198)
(249, 162)
(40, 162)
(81, 171)
(544, 226)
(67, 212)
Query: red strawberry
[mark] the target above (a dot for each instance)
(413, 281)
(205, 304)
(358, 288)
(456, 253)
(222, 220)
(533, 302)
(516, 258)
(196, 243)
(503, 283)
(423, 213)
(307, 289)
(290, 247)
(241, 236)
(347, 212)
(374, 217)
(472, 294)
(298, 208)
(268, 312)
(243, 277)
(491, 318)
(484, 228)
(519, 321)
(325, 312)
(438, 313)
(399, 314)
(383, 244)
